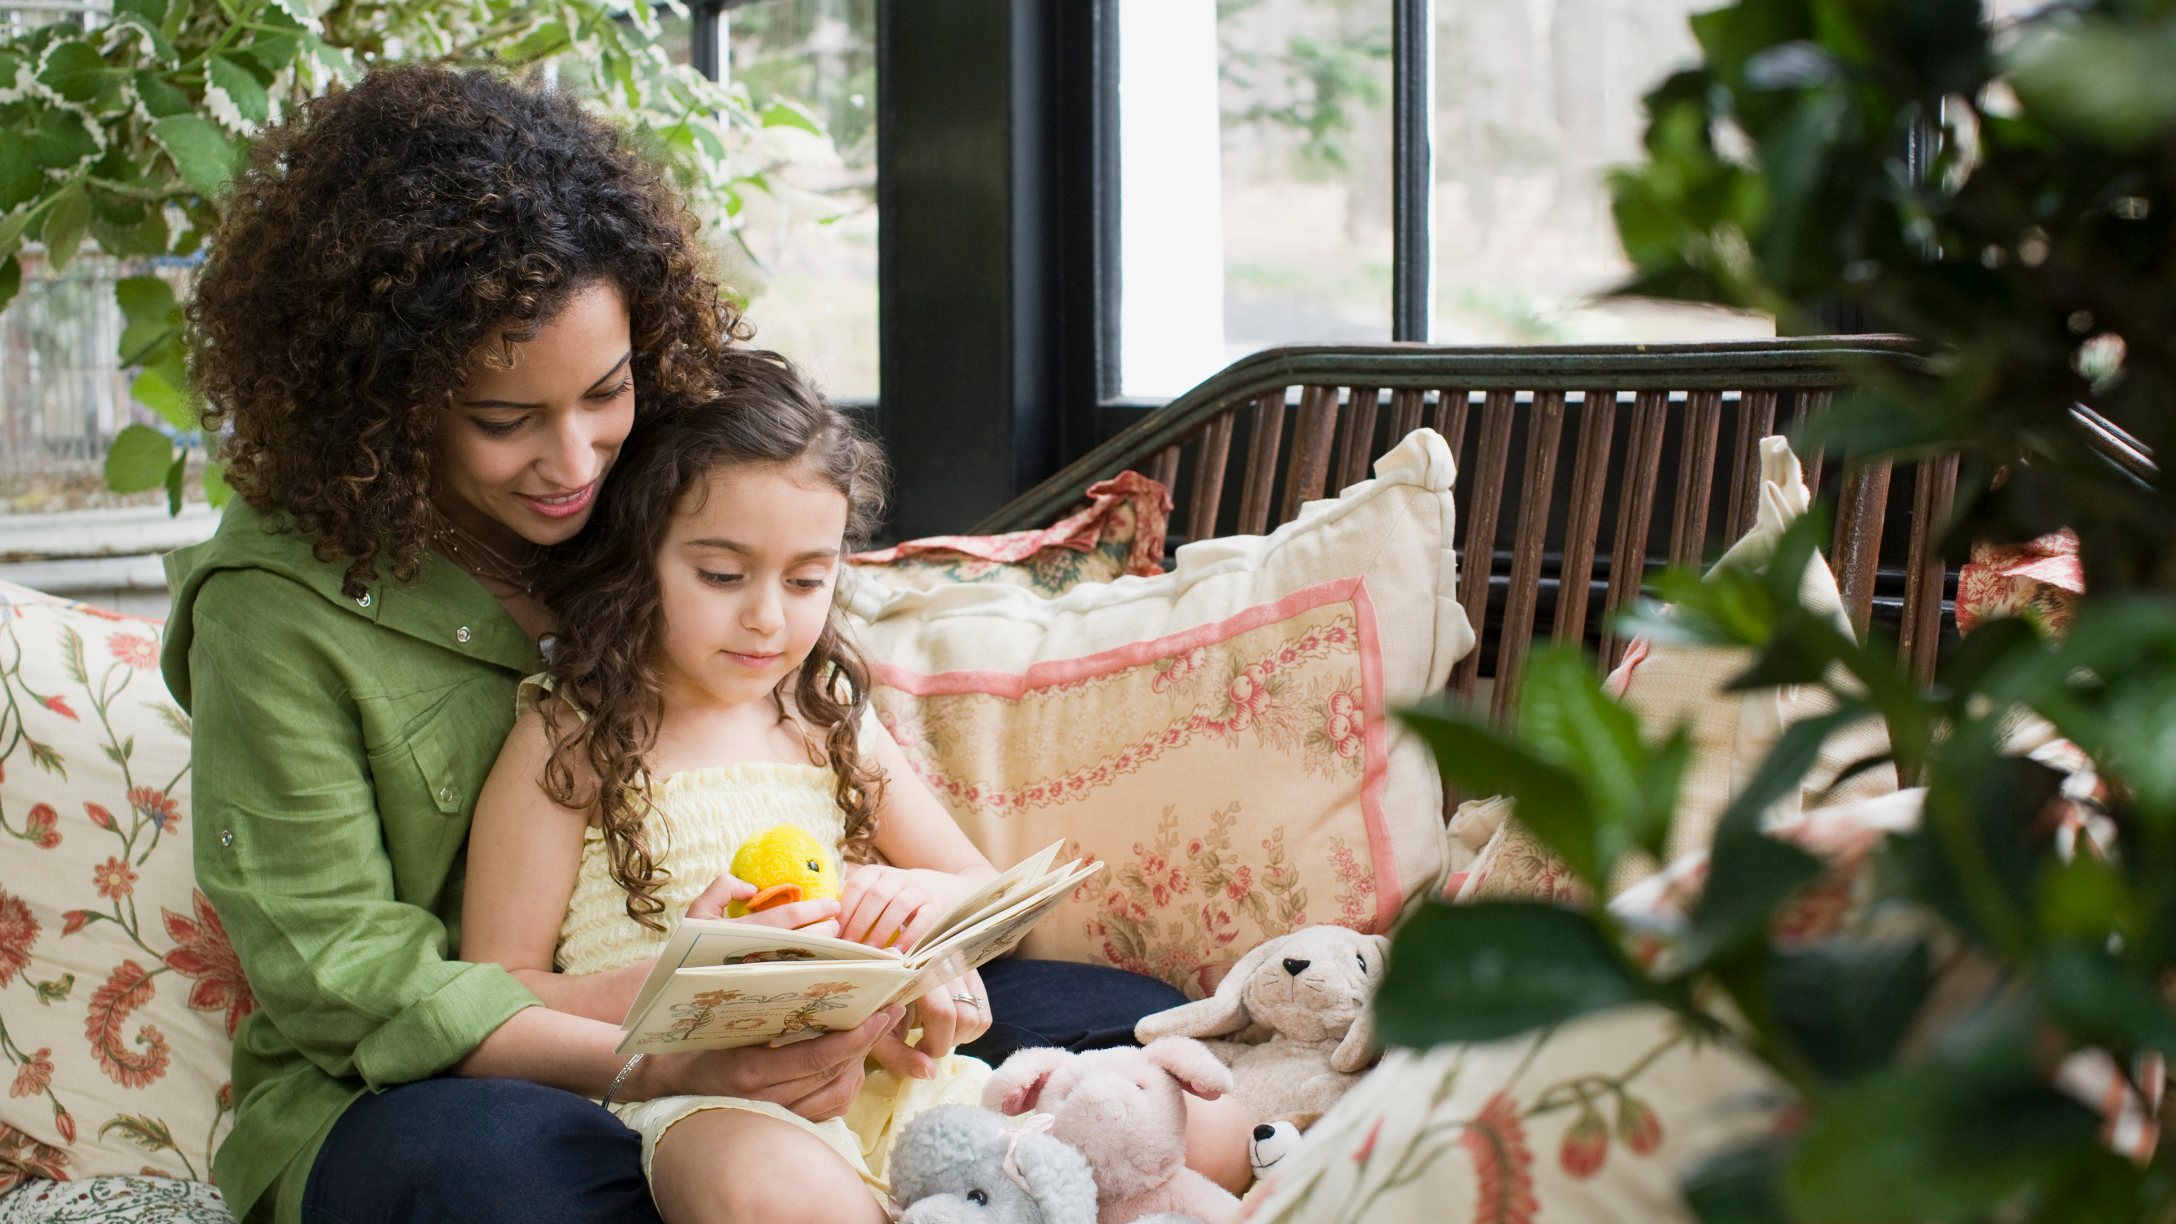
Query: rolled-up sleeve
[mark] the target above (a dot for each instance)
(292, 848)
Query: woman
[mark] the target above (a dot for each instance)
(437, 306)
(433, 313)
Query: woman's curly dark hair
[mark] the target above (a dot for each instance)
(379, 239)
(604, 591)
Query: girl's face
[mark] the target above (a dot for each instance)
(524, 448)
(745, 579)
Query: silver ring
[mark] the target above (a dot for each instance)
(969, 1000)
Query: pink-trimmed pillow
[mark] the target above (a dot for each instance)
(1119, 532)
(118, 990)
(1219, 734)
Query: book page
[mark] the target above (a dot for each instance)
(723, 1006)
(700, 943)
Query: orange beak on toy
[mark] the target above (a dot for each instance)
(774, 896)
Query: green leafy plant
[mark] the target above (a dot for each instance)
(126, 134)
(2006, 197)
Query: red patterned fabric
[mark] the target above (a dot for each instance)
(2041, 579)
(1119, 532)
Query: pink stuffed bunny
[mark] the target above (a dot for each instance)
(1125, 1110)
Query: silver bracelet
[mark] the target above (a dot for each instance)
(621, 1078)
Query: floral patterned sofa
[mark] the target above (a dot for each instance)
(1218, 732)
(1228, 749)
(118, 991)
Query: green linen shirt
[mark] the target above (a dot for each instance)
(339, 745)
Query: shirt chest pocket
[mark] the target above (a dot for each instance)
(444, 749)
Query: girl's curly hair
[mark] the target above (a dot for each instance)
(604, 590)
(383, 236)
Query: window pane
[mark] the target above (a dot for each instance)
(810, 266)
(1307, 164)
(1255, 181)
(1536, 99)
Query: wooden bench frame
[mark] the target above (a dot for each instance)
(1242, 451)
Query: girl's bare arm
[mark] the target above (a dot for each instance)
(524, 852)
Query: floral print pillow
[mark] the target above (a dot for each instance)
(2041, 580)
(119, 993)
(1220, 736)
(1119, 532)
(1595, 1121)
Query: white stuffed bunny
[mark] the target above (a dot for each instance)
(1311, 990)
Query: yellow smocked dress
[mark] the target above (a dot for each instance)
(700, 818)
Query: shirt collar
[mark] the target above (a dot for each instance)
(443, 606)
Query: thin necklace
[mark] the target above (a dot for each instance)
(484, 561)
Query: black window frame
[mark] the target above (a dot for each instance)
(998, 199)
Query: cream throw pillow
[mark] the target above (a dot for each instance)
(1732, 732)
(1219, 735)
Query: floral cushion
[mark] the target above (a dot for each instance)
(118, 991)
(1596, 1120)
(1511, 863)
(116, 1200)
(1219, 734)
(2041, 580)
(1119, 532)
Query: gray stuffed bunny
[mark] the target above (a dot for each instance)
(949, 1166)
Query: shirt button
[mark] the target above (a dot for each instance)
(226, 837)
(461, 634)
(446, 795)
(363, 600)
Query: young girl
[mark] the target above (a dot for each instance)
(701, 691)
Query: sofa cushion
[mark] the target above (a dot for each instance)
(1219, 734)
(118, 990)
(1595, 1120)
(116, 1200)
(1669, 685)
(1119, 532)
(2040, 579)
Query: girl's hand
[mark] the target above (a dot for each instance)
(880, 903)
(947, 1018)
(815, 917)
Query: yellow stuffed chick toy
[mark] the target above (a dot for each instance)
(786, 865)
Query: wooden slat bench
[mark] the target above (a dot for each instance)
(1569, 458)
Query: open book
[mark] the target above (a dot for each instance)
(720, 984)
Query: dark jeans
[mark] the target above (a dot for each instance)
(1058, 1003)
(478, 1151)
(506, 1151)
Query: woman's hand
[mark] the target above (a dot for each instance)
(816, 1079)
(815, 917)
(950, 1016)
(881, 902)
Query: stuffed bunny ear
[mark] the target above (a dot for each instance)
(1190, 1063)
(1220, 1013)
(1016, 1087)
(1360, 1048)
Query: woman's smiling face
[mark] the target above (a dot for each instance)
(525, 445)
